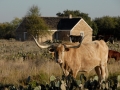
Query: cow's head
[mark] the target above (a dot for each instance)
(58, 50)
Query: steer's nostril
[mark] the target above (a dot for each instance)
(59, 61)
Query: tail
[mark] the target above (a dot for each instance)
(106, 70)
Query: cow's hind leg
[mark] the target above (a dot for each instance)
(98, 72)
(102, 72)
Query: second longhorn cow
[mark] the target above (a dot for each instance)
(82, 57)
(113, 54)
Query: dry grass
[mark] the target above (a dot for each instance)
(114, 67)
(14, 70)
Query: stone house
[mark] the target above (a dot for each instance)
(60, 29)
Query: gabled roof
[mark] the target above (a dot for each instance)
(56, 23)
(67, 23)
(59, 23)
(52, 22)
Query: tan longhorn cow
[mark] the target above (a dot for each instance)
(82, 57)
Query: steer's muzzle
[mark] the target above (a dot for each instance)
(59, 61)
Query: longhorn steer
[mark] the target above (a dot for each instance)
(82, 57)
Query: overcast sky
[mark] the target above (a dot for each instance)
(9, 9)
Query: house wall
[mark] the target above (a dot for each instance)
(46, 38)
(82, 26)
(62, 35)
(21, 36)
(21, 32)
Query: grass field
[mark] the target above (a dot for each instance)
(19, 60)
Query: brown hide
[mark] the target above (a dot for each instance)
(85, 58)
(114, 54)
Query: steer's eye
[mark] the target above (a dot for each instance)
(66, 49)
(56, 55)
(51, 50)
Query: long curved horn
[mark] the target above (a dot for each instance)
(72, 46)
(39, 45)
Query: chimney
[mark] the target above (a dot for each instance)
(70, 16)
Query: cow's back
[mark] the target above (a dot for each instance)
(88, 55)
(97, 49)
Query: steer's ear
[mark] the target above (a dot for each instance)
(66, 49)
(51, 50)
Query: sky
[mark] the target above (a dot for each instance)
(10, 9)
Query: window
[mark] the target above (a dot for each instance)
(25, 35)
(82, 33)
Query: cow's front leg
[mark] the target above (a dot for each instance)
(65, 71)
(74, 72)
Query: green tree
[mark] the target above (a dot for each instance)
(75, 13)
(34, 11)
(2, 30)
(14, 24)
(117, 29)
(106, 25)
(66, 13)
(95, 29)
(35, 25)
(7, 30)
